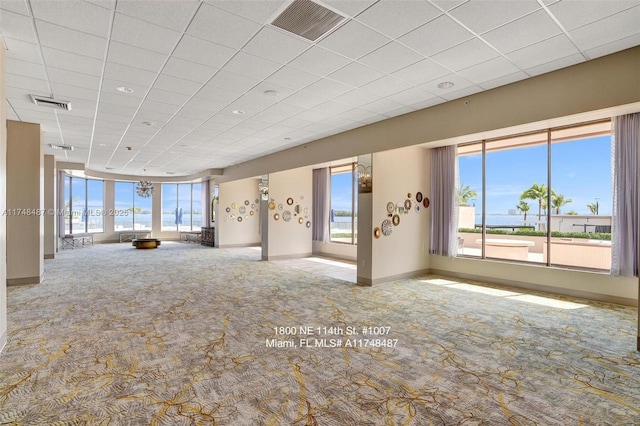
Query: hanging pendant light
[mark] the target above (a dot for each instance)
(144, 188)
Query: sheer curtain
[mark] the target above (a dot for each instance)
(321, 203)
(625, 156)
(444, 212)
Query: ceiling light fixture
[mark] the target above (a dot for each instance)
(446, 85)
(63, 147)
(147, 123)
(238, 112)
(109, 168)
(124, 89)
(271, 93)
(144, 188)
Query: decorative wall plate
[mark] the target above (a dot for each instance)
(256, 201)
(376, 232)
(417, 208)
(246, 202)
(251, 213)
(419, 197)
(400, 207)
(272, 205)
(239, 218)
(425, 202)
(286, 216)
(253, 206)
(297, 208)
(290, 201)
(228, 209)
(390, 207)
(276, 216)
(234, 206)
(280, 206)
(407, 204)
(300, 220)
(387, 227)
(409, 195)
(308, 224)
(306, 210)
(395, 220)
(242, 209)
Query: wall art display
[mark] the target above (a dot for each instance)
(251, 212)
(228, 209)
(395, 220)
(242, 209)
(297, 209)
(286, 216)
(417, 208)
(276, 216)
(280, 206)
(290, 201)
(376, 232)
(387, 227)
(308, 224)
(272, 205)
(300, 220)
(408, 195)
(419, 197)
(425, 202)
(246, 202)
(234, 206)
(407, 204)
(390, 207)
(239, 218)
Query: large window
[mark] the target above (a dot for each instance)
(542, 197)
(343, 217)
(181, 206)
(132, 212)
(84, 205)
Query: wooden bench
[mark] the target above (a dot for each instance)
(507, 249)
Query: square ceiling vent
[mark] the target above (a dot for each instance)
(308, 19)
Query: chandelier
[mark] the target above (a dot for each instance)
(144, 188)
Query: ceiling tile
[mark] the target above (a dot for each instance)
(17, 27)
(382, 106)
(466, 54)
(72, 41)
(353, 40)
(292, 78)
(164, 96)
(327, 88)
(553, 65)
(188, 70)
(128, 75)
(391, 57)
(396, 18)
(259, 11)
(459, 84)
(177, 85)
(217, 94)
(27, 69)
(573, 14)
(276, 45)
(135, 57)
(489, 70)
(143, 34)
(203, 52)
(23, 51)
(73, 78)
(166, 13)
(79, 16)
(15, 6)
(528, 30)
(350, 8)
(615, 27)
(331, 108)
(543, 52)
(447, 4)
(65, 91)
(461, 93)
(386, 86)
(421, 72)
(304, 100)
(355, 74)
(319, 61)
(616, 46)
(357, 97)
(251, 66)
(222, 27)
(410, 96)
(503, 80)
(441, 33)
(238, 82)
(482, 16)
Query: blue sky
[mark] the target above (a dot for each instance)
(581, 170)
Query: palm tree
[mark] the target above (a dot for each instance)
(465, 193)
(557, 201)
(593, 207)
(538, 193)
(524, 207)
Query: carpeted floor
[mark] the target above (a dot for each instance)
(186, 335)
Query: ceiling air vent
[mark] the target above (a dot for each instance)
(308, 19)
(63, 147)
(50, 102)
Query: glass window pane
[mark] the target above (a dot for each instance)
(196, 207)
(95, 205)
(67, 205)
(78, 205)
(516, 183)
(141, 213)
(470, 200)
(582, 197)
(169, 205)
(342, 204)
(123, 204)
(183, 212)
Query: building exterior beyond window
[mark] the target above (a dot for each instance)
(83, 205)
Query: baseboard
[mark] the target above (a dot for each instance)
(239, 245)
(49, 256)
(539, 287)
(288, 256)
(412, 274)
(24, 281)
(3, 340)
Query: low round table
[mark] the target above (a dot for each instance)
(145, 243)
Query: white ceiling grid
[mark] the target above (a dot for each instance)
(191, 64)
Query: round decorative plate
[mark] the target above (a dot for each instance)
(308, 224)
(272, 205)
(419, 197)
(257, 201)
(286, 216)
(246, 202)
(390, 207)
(376, 232)
(387, 227)
(276, 216)
(409, 195)
(242, 209)
(400, 207)
(280, 206)
(239, 218)
(228, 209)
(395, 220)
(425, 202)
(407, 204)
(251, 213)
(253, 206)
(297, 209)
(234, 206)
(290, 201)
(300, 220)
(417, 208)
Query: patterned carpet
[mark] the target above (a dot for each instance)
(180, 335)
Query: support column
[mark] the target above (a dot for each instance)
(365, 220)
(25, 203)
(3, 200)
(50, 233)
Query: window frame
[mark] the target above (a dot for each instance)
(69, 213)
(354, 194)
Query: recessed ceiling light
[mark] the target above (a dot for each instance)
(109, 168)
(124, 89)
(446, 85)
(102, 144)
(238, 112)
(147, 123)
(169, 173)
(271, 93)
(287, 139)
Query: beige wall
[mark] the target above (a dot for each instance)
(50, 233)
(25, 197)
(233, 195)
(3, 200)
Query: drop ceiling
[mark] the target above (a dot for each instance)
(213, 83)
